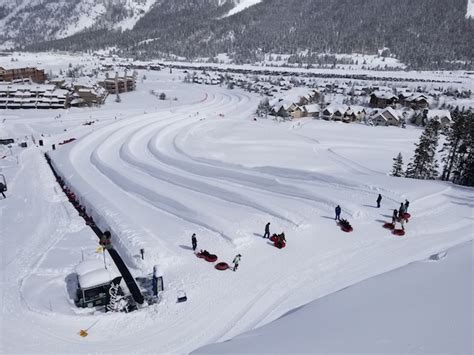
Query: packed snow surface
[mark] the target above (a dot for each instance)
(397, 312)
(154, 172)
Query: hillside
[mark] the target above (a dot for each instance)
(434, 34)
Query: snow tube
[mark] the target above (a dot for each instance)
(399, 232)
(347, 229)
(211, 258)
(273, 238)
(200, 255)
(406, 215)
(222, 266)
(280, 245)
(389, 226)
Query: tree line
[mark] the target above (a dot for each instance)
(457, 152)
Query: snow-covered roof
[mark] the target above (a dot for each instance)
(438, 114)
(88, 266)
(384, 95)
(96, 278)
(312, 108)
(332, 109)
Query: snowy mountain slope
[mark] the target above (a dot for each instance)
(241, 5)
(40, 20)
(470, 9)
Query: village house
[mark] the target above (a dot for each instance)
(335, 112)
(387, 117)
(382, 99)
(417, 102)
(18, 74)
(442, 116)
(355, 114)
(313, 110)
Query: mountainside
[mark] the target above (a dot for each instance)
(30, 21)
(425, 34)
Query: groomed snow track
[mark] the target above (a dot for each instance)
(124, 271)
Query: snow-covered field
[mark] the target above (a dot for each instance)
(161, 171)
(402, 311)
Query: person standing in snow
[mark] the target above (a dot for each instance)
(407, 203)
(338, 213)
(236, 261)
(394, 216)
(401, 210)
(194, 241)
(267, 230)
(2, 189)
(402, 223)
(379, 199)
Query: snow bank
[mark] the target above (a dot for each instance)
(421, 308)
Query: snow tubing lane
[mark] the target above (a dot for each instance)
(399, 232)
(389, 226)
(211, 258)
(222, 266)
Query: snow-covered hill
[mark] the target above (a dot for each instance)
(26, 21)
(241, 5)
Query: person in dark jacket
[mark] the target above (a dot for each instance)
(2, 189)
(401, 210)
(338, 213)
(407, 203)
(236, 261)
(194, 241)
(267, 230)
(379, 199)
(394, 216)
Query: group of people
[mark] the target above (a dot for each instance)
(398, 215)
(236, 260)
(280, 238)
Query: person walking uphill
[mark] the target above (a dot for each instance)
(379, 199)
(338, 213)
(267, 230)
(194, 241)
(236, 261)
(407, 203)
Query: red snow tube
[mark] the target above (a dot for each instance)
(222, 266)
(211, 258)
(347, 229)
(280, 245)
(200, 255)
(389, 226)
(406, 215)
(399, 232)
(273, 238)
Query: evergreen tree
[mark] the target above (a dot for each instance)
(464, 167)
(397, 169)
(453, 145)
(424, 164)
